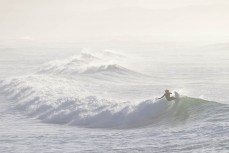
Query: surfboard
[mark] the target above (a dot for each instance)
(177, 96)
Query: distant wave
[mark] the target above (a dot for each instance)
(87, 63)
(64, 103)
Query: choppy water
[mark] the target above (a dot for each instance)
(87, 100)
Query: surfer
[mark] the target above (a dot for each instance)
(167, 96)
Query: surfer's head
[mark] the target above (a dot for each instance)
(166, 90)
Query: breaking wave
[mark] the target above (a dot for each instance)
(65, 102)
(87, 63)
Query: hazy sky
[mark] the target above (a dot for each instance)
(101, 20)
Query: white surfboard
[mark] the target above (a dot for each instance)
(177, 96)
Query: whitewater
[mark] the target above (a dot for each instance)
(106, 100)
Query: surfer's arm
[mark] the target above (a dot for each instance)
(161, 97)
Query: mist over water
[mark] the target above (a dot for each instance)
(85, 76)
(90, 98)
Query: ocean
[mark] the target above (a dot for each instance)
(75, 99)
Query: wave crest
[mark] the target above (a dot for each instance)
(87, 63)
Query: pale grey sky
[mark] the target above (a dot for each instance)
(93, 20)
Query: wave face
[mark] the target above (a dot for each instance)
(65, 92)
(68, 102)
